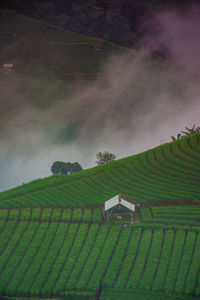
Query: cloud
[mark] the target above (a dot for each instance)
(177, 32)
(137, 102)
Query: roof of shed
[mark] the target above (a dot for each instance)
(119, 199)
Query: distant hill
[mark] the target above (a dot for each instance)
(118, 21)
(51, 61)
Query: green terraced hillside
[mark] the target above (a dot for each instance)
(57, 258)
(166, 174)
(55, 241)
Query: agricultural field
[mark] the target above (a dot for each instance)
(56, 243)
(169, 173)
(53, 259)
(182, 215)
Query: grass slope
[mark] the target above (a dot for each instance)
(168, 173)
(59, 246)
(54, 258)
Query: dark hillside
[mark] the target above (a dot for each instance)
(47, 61)
(118, 21)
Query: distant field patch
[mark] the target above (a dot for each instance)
(183, 215)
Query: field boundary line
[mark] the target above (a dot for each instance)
(97, 233)
(30, 242)
(196, 281)
(134, 260)
(164, 172)
(177, 164)
(158, 263)
(191, 259)
(47, 250)
(181, 158)
(110, 258)
(54, 260)
(123, 258)
(77, 257)
(105, 238)
(65, 260)
(146, 259)
(179, 263)
(34, 255)
(9, 237)
(13, 249)
(187, 153)
(169, 260)
(178, 173)
(192, 147)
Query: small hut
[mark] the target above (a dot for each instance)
(118, 207)
(8, 68)
(96, 47)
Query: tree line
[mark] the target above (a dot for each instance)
(66, 168)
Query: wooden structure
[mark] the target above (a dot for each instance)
(96, 47)
(7, 68)
(119, 205)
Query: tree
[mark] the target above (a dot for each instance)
(75, 167)
(57, 167)
(188, 131)
(178, 137)
(104, 158)
(60, 167)
(191, 130)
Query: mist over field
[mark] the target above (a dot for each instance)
(136, 104)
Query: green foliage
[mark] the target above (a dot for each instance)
(192, 130)
(42, 259)
(53, 242)
(165, 173)
(135, 294)
(183, 215)
(78, 295)
(104, 157)
(189, 131)
(52, 214)
(62, 168)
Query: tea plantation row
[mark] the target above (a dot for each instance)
(49, 259)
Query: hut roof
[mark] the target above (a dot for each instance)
(8, 65)
(118, 199)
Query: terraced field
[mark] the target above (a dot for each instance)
(169, 173)
(51, 258)
(189, 215)
(55, 242)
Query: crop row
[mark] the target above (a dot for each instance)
(52, 214)
(188, 215)
(124, 294)
(47, 259)
(163, 173)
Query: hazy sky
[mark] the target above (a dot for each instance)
(137, 104)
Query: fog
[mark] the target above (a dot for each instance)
(137, 103)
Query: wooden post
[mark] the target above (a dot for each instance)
(131, 217)
(107, 216)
